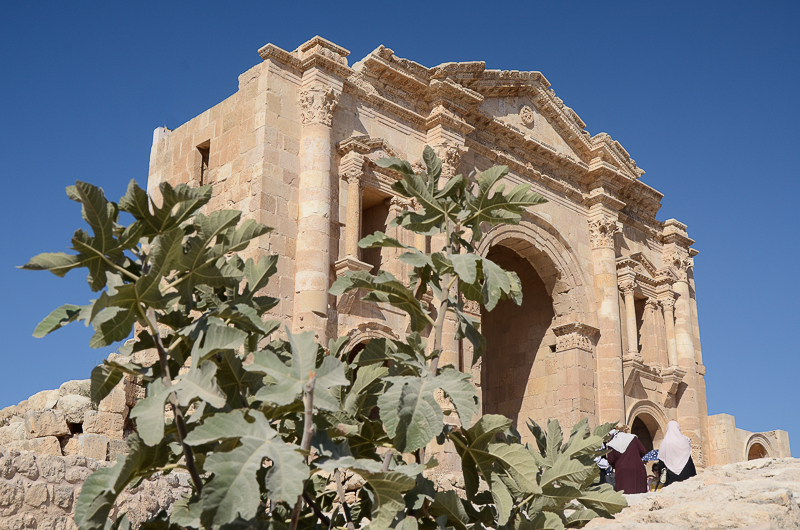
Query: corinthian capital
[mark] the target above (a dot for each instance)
(451, 155)
(627, 286)
(601, 232)
(354, 176)
(317, 104)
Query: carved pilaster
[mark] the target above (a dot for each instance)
(317, 104)
(601, 232)
(627, 286)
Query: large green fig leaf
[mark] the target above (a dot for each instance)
(292, 378)
(233, 490)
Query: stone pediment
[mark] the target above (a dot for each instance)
(371, 148)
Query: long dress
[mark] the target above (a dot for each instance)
(688, 471)
(629, 469)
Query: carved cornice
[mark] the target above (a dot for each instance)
(317, 52)
(601, 232)
(575, 335)
(317, 104)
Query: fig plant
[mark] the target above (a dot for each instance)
(267, 422)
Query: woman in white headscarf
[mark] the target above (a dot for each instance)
(675, 454)
(625, 454)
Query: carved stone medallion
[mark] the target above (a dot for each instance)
(526, 114)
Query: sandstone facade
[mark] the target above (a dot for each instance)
(609, 325)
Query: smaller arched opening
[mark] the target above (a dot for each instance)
(756, 451)
(648, 422)
(639, 428)
(758, 446)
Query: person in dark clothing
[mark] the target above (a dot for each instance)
(625, 455)
(675, 455)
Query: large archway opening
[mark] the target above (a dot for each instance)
(518, 374)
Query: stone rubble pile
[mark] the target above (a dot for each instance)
(761, 494)
(64, 422)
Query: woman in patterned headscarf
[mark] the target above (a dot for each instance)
(675, 455)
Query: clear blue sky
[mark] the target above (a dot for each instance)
(703, 95)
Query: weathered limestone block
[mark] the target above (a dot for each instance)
(94, 446)
(43, 446)
(36, 493)
(76, 474)
(26, 465)
(70, 448)
(57, 522)
(19, 522)
(75, 460)
(117, 447)
(107, 423)
(74, 407)
(12, 432)
(7, 413)
(52, 468)
(78, 387)
(62, 496)
(46, 399)
(115, 402)
(7, 467)
(39, 424)
(11, 496)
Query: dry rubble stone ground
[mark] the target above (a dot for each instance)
(760, 494)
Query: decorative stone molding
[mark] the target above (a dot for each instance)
(317, 105)
(349, 263)
(398, 204)
(652, 303)
(672, 376)
(627, 286)
(575, 335)
(451, 156)
(601, 232)
(668, 304)
(526, 115)
(353, 176)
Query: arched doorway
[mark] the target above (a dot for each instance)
(649, 422)
(519, 357)
(757, 451)
(639, 429)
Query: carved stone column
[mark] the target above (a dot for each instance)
(396, 205)
(610, 395)
(668, 305)
(355, 185)
(627, 286)
(575, 373)
(312, 267)
(650, 349)
(688, 405)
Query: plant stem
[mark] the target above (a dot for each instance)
(113, 265)
(387, 459)
(337, 476)
(308, 432)
(166, 379)
(321, 516)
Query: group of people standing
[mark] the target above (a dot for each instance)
(624, 461)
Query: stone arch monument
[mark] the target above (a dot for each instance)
(609, 329)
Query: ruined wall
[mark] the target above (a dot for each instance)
(729, 444)
(40, 491)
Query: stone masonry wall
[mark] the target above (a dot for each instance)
(40, 491)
